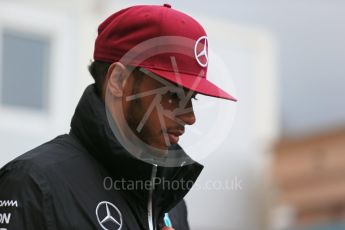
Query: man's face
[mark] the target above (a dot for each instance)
(156, 112)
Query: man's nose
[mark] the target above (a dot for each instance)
(187, 115)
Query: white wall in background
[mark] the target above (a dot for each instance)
(23, 128)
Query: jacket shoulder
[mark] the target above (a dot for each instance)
(47, 185)
(23, 193)
(61, 149)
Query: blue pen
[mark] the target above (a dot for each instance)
(167, 220)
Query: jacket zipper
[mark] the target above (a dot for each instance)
(149, 206)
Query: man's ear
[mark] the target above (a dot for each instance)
(115, 79)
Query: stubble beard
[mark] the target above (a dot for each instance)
(134, 116)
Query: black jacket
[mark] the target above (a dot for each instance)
(86, 180)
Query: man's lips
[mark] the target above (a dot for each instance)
(174, 135)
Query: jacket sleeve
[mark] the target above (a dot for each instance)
(24, 200)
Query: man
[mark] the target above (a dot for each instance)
(116, 167)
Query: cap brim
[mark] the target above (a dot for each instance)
(198, 84)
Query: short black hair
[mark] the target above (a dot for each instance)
(98, 70)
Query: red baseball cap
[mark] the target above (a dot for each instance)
(162, 40)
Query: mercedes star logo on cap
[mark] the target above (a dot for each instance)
(201, 56)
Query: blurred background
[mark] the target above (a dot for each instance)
(284, 155)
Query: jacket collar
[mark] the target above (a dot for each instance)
(90, 125)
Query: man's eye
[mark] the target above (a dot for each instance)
(174, 96)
